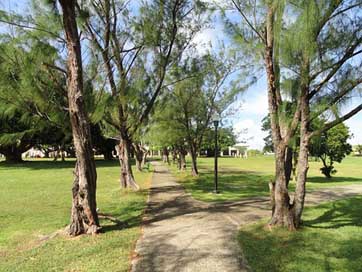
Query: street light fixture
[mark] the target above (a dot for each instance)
(216, 121)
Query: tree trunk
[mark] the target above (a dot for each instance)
(139, 153)
(165, 156)
(12, 155)
(107, 154)
(194, 170)
(299, 197)
(144, 158)
(288, 164)
(182, 155)
(126, 176)
(84, 217)
(174, 156)
(326, 169)
(282, 215)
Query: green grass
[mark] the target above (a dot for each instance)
(35, 200)
(330, 240)
(239, 178)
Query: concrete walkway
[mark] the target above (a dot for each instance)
(183, 234)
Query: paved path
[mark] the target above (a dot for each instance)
(183, 234)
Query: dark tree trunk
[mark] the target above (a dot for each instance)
(182, 159)
(174, 156)
(288, 164)
(326, 169)
(126, 176)
(84, 217)
(194, 170)
(165, 156)
(13, 155)
(46, 153)
(107, 154)
(62, 153)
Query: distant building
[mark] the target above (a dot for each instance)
(238, 150)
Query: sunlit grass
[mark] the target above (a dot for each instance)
(35, 199)
(239, 178)
(330, 240)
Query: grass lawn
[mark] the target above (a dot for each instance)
(240, 178)
(35, 200)
(330, 240)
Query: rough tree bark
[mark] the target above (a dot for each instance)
(84, 217)
(302, 168)
(282, 215)
(126, 176)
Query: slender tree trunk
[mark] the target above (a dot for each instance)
(175, 158)
(107, 154)
(139, 152)
(302, 170)
(144, 158)
(84, 217)
(165, 156)
(126, 176)
(182, 155)
(194, 170)
(288, 164)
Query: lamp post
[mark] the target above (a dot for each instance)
(216, 120)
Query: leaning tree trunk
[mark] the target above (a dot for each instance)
(84, 217)
(126, 177)
(302, 170)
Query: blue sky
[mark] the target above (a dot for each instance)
(252, 104)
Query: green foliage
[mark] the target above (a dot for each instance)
(332, 146)
(268, 141)
(226, 138)
(358, 149)
(29, 97)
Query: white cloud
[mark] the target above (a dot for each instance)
(207, 38)
(250, 131)
(355, 127)
(257, 106)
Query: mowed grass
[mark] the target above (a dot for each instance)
(240, 178)
(35, 201)
(330, 240)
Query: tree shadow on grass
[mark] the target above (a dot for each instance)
(42, 164)
(328, 241)
(323, 180)
(342, 213)
(231, 183)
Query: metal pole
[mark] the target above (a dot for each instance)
(215, 164)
